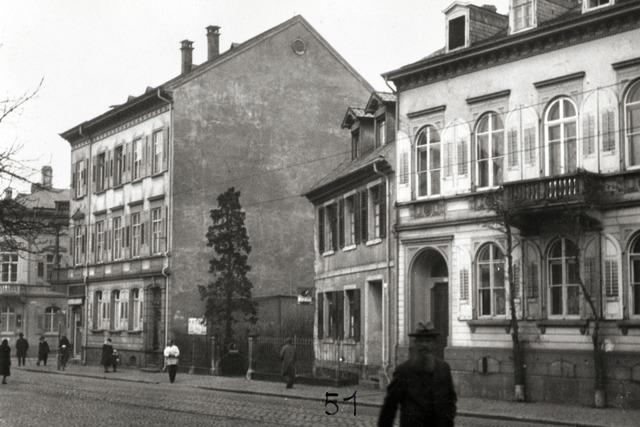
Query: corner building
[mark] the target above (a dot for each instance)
(541, 106)
(260, 117)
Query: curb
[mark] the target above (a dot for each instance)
(464, 414)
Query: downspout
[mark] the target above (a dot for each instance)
(169, 236)
(385, 344)
(85, 271)
(397, 242)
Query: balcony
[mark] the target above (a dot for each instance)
(581, 189)
(12, 290)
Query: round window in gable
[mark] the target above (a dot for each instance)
(299, 47)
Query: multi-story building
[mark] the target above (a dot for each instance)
(539, 109)
(354, 263)
(259, 117)
(28, 302)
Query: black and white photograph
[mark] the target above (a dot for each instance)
(320, 213)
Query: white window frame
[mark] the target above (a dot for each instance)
(350, 220)
(157, 147)
(635, 85)
(587, 8)
(525, 4)
(562, 121)
(427, 147)
(100, 241)
(136, 154)
(462, 11)
(381, 130)
(491, 134)
(137, 309)
(634, 282)
(7, 313)
(118, 164)
(117, 237)
(49, 318)
(563, 260)
(156, 230)
(136, 234)
(8, 267)
(493, 289)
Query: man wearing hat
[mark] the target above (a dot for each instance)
(422, 386)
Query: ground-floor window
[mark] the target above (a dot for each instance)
(353, 314)
(7, 319)
(50, 319)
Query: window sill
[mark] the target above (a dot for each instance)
(349, 248)
(97, 193)
(489, 323)
(117, 187)
(157, 174)
(581, 324)
(609, 153)
(135, 332)
(373, 242)
(327, 253)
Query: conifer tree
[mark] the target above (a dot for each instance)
(228, 296)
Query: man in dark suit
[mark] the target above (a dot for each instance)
(422, 386)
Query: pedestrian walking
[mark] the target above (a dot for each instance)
(171, 355)
(64, 349)
(43, 351)
(107, 355)
(5, 360)
(22, 345)
(288, 359)
(422, 386)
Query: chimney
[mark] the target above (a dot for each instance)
(490, 7)
(47, 174)
(213, 42)
(8, 193)
(186, 47)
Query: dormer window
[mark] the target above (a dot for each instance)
(522, 14)
(355, 144)
(381, 131)
(457, 32)
(588, 5)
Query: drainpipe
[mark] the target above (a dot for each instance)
(385, 357)
(169, 236)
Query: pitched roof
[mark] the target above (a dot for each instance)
(350, 168)
(44, 198)
(353, 114)
(159, 93)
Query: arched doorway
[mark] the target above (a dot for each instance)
(430, 293)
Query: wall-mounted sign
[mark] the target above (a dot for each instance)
(196, 326)
(305, 296)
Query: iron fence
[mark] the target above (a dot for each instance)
(266, 355)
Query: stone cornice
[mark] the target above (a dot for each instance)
(426, 111)
(573, 31)
(488, 97)
(557, 80)
(624, 64)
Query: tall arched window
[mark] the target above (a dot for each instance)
(428, 161)
(560, 134)
(632, 117)
(564, 289)
(490, 150)
(490, 278)
(634, 270)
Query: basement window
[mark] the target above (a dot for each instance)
(457, 32)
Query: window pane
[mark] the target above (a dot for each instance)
(570, 155)
(636, 299)
(485, 302)
(571, 250)
(556, 300)
(556, 274)
(483, 146)
(554, 111)
(554, 158)
(499, 301)
(422, 160)
(569, 110)
(422, 138)
(483, 173)
(485, 276)
(422, 184)
(483, 125)
(434, 136)
(570, 130)
(497, 171)
(484, 254)
(634, 150)
(554, 133)
(573, 300)
(572, 272)
(498, 144)
(498, 275)
(434, 152)
(435, 182)
(496, 122)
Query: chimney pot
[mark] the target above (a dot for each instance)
(8, 193)
(47, 174)
(213, 42)
(186, 47)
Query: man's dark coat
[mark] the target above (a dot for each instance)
(5, 360)
(22, 345)
(426, 397)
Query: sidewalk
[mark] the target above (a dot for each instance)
(543, 413)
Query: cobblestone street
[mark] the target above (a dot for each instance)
(33, 398)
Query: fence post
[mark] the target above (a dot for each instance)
(193, 355)
(212, 370)
(250, 371)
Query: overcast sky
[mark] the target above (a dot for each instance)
(94, 53)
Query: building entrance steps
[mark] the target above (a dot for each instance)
(534, 412)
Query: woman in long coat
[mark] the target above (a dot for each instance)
(107, 354)
(5, 360)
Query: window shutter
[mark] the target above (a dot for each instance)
(529, 146)
(341, 223)
(109, 178)
(382, 199)
(321, 230)
(462, 157)
(96, 308)
(72, 246)
(165, 148)
(320, 304)
(608, 131)
(364, 213)
(356, 315)
(611, 277)
(83, 245)
(126, 235)
(147, 157)
(112, 311)
(333, 218)
(403, 176)
(92, 245)
(128, 165)
(73, 179)
(588, 130)
(145, 232)
(532, 280)
(464, 284)
(164, 243)
(94, 173)
(448, 153)
(85, 177)
(512, 142)
(340, 314)
(356, 218)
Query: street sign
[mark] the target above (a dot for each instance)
(196, 326)
(305, 299)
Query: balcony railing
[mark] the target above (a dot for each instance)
(11, 290)
(579, 188)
